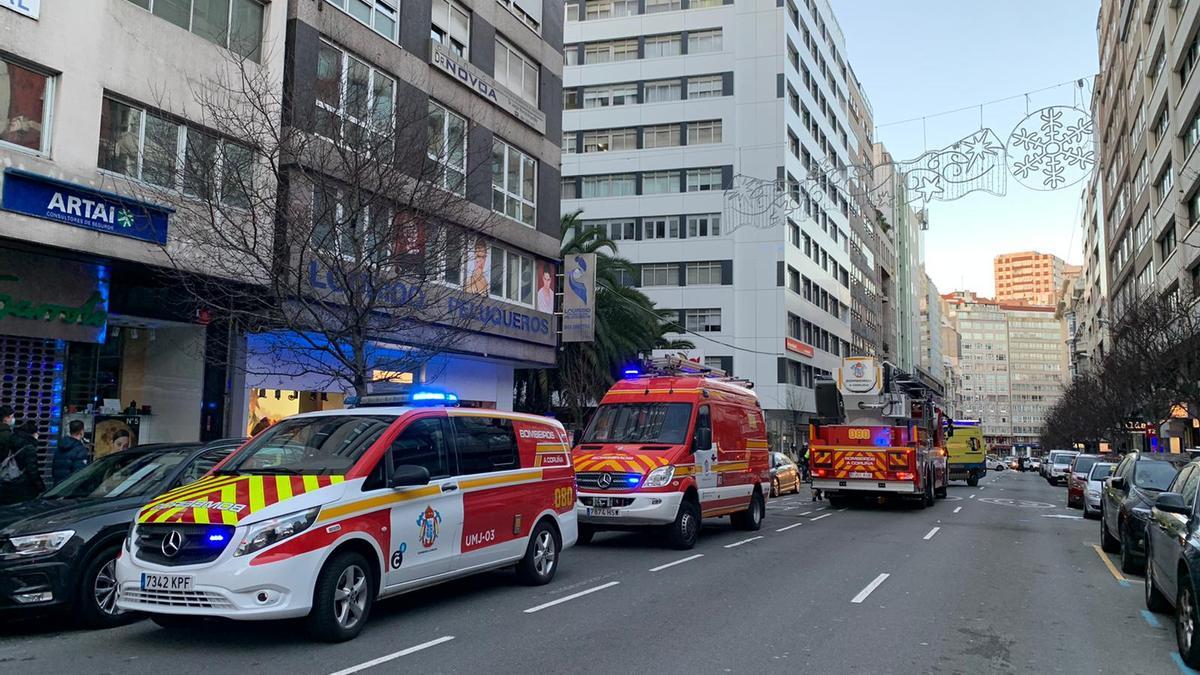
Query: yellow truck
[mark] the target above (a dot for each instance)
(966, 451)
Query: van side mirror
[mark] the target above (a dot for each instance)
(702, 439)
(1172, 502)
(409, 475)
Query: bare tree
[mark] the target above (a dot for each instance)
(338, 234)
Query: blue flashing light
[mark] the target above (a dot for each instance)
(633, 480)
(632, 372)
(431, 397)
(216, 538)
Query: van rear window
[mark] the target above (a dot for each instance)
(640, 423)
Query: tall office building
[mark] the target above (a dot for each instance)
(1030, 277)
(674, 106)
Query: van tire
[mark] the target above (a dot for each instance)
(752, 518)
(586, 532)
(343, 571)
(973, 479)
(542, 553)
(683, 533)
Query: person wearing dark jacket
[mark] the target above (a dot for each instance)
(24, 446)
(8, 418)
(71, 455)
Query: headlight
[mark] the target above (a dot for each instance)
(35, 544)
(262, 535)
(1093, 493)
(659, 477)
(1142, 512)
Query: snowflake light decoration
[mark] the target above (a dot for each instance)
(1052, 148)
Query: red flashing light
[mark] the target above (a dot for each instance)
(906, 475)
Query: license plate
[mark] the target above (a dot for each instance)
(166, 582)
(601, 501)
(861, 474)
(603, 512)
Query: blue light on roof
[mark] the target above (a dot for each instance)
(431, 397)
(632, 372)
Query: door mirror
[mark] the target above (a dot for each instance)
(1118, 483)
(409, 475)
(1172, 502)
(702, 440)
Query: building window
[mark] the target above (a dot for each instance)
(1141, 231)
(1191, 135)
(608, 185)
(702, 41)
(448, 147)
(571, 99)
(704, 225)
(1189, 59)
(348, 227)
(1160, 63)
(660, 182)
(451, 26)
(708, 86)
(235, 25)
(1140, 178)
(145, 146)
(25, 117)
(352, 97)
(665, 274)
(1163, 186)
(702, 320)
(1166, 243)
(617, 230)
(514, 182)
(611, 95)
(511, 276)
(663, 45)
(662, 91)
(517, 72)
(704, 133)
(699, 180)
(703, 273)
(700, 4)
(569, 188)
(661, 136)
(568, 142)
(1162, 125)
(656, 6)
(608, 9)
(511, 6)
(661, 228)
(606, 140)
(606, 52)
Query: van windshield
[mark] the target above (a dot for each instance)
(665, 423)
(326, 444)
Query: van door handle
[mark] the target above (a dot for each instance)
(449, 487)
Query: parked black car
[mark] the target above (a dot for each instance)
(1126, 500)
(1173, 559)
(57, 552)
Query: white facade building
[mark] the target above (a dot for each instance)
(645, 159)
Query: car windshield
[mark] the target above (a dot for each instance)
(1063, 458)
(326, 444)
(1101, 470)
(1083, 463)
(1150, 474)
(121, 475)
(640, 423)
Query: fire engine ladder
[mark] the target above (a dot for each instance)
(678, 365)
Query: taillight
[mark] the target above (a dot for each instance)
(818, 473)
(906, 475)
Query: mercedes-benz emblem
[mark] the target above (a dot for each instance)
(172, 543)
(604, 481)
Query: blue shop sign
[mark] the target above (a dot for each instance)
(81, 206)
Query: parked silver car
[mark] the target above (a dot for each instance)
(1059, 465)
(1093, 486)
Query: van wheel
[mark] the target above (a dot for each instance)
(586, 532)
(683, 533)
(97, 603)
(540, 563)
(342, 599)
(973, 480)
(752, 518)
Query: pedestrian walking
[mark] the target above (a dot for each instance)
(20, 479)
(71, 455)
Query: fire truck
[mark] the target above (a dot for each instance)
(879, 433)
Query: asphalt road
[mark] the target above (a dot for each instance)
(999, 578)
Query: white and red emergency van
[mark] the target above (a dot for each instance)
(670, 447)
(324, 513)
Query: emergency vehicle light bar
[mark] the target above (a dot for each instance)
(678, 365)
(420, 397)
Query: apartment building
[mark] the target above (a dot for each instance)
(1030, 277)
(671, 108)
(866, 249)
(1088, 304)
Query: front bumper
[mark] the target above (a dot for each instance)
(229, 587)
(24, 583)
(861, 485)
(1093, 500)
(651, 508)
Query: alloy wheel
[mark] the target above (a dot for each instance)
(1185, 625)
(544, 556)
(104, 589)
(349, 596)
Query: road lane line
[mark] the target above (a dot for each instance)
(971, 497)
(677, 562)
(1111, 567)
(568, 598)
(840, 510)
(784, 529)
(931, 533)
(1151, 619)
(957, 509)
(862, 595)
(744, 541)
(395, 655)
(806, 513)
(823, 515)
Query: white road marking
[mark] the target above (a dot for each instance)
(744, 541)
(395, 655)
(568, 598)
(982, 487)
(931, 533)
(957, 509)
(677, 562)
(971, 497)
(840, 510)
(806, 513)
(823, 515)
(788, 527)
(1057, 515)
(862, 595)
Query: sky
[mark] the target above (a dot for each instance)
(918, 58)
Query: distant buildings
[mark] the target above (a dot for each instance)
(1030, 277)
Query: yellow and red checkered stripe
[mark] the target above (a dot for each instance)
(608, 461)
(228, 499)
(846, 461)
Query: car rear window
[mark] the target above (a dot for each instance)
(1152, 474)
(1101, 470)
(1083, 463)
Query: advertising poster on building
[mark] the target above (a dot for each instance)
(45, 297)
(579, 298)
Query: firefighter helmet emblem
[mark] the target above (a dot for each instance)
(429, 521)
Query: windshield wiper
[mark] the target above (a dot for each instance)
(226, 472)
(273, 470)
